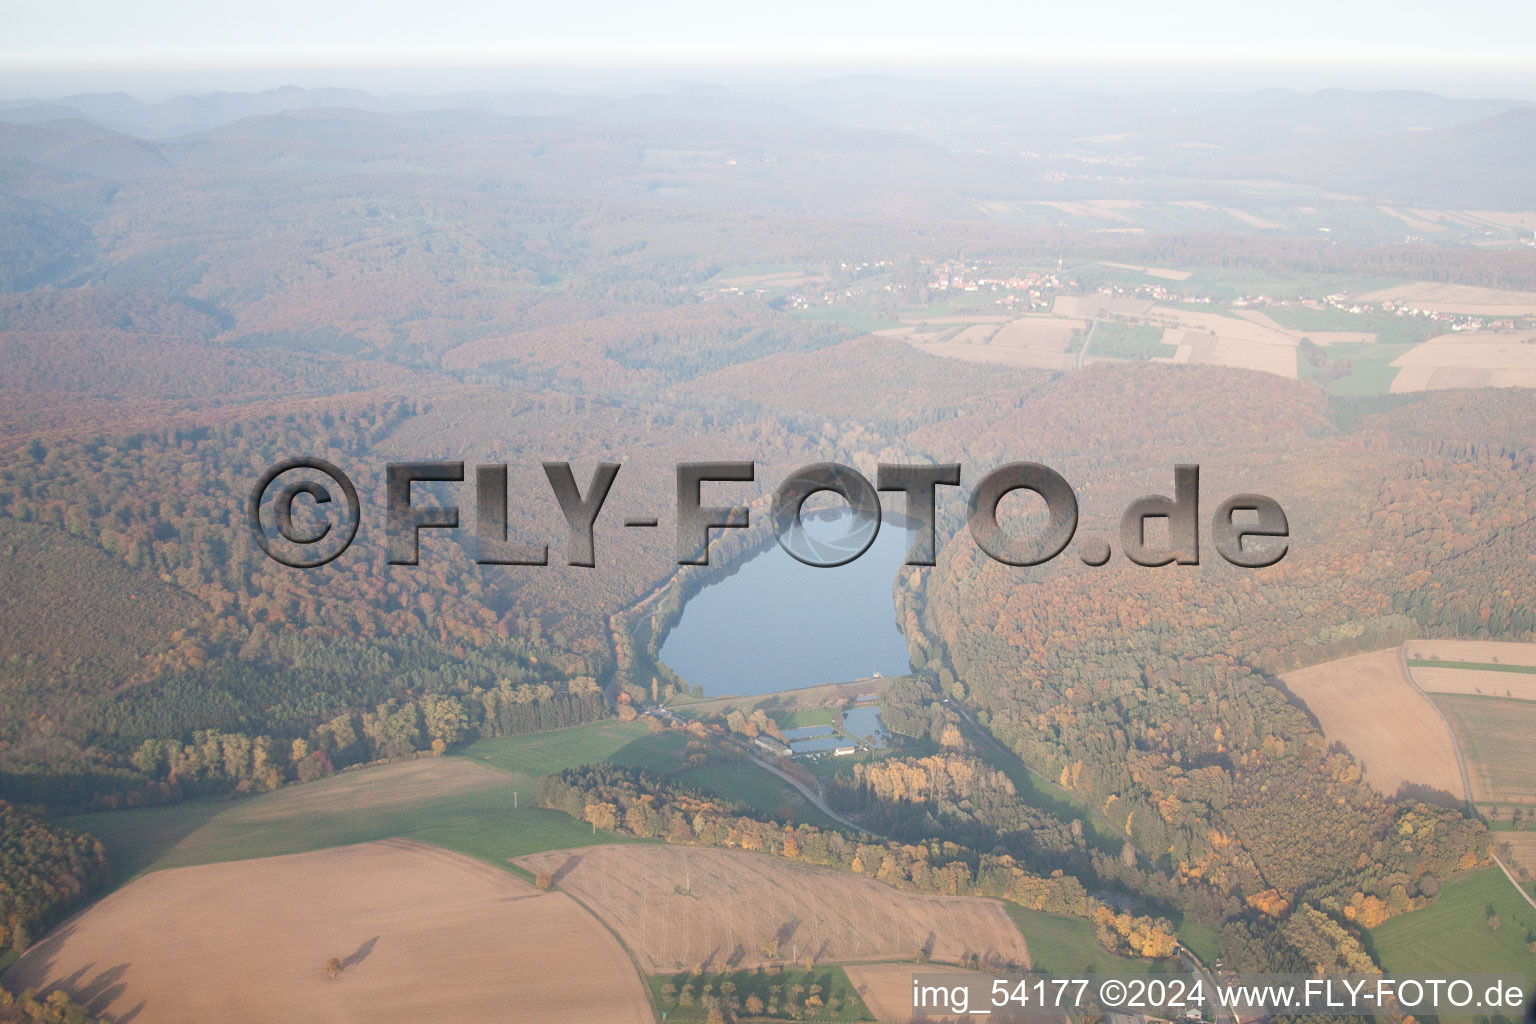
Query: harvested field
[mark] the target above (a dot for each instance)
(1415, 220)
(1515, 686)
(1482, 652)
(1251, 343)
(1516, 220)
(1252, 220)
(1455, 298)
(1490, 682)
(1495, 736)
(1253, 316)
(1021, 358)
(1323, 338)
(423, 935)
(957, 318)
(1279, 360)
(1522, 854)
(678, 907)
(1099, 305)
(976, 334)
(1217, 350)
(1366, 703)
(1419, 378)
(1041, 334)
(1326, 338)
(1099, 209)
(1236, 328)
(887, 989)
(1468, 360)
(1039, 342)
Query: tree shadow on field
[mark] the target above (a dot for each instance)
(1428, 794)
(787, 931)
(359, 954)
(137, 839)
(95, 993)
(571, 864)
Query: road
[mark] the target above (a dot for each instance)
(810, 794)
(1461, 762)
(1220, 1014)
(1082, 354)
(1512, 881)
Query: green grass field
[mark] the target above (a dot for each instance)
(1371, 369)
(1068, 947)
(1452, 934)
(497, 838)
(802, 717)
(493, 821)
(858, 319)
(660, 753)
(667, 991)
(1202, 940)
(483, 823)
(1389, 330)
(758, 270)
(1229, 283)
(540, 754)
(1113, 340)
(743, 782)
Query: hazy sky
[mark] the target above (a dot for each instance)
(305, 33)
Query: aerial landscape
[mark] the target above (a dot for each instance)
(507, 751)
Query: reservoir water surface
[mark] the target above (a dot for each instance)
(777, 624)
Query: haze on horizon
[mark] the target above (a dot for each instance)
(160, 46)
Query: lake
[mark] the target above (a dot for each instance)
(776, 624)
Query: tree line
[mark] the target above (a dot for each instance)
(633, 801)
(45, 871)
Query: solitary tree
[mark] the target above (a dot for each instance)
(333, 967)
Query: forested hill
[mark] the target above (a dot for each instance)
(368, 287)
